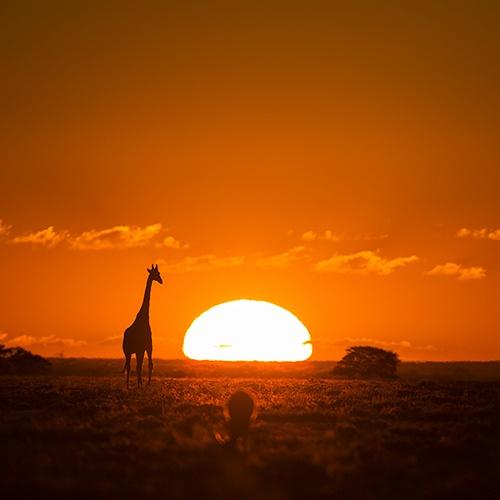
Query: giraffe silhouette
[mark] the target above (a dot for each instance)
(137, 337)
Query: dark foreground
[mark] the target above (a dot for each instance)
(72, 437)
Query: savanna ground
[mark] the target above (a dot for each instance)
(88, 437)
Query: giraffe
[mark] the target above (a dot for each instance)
(137, 337)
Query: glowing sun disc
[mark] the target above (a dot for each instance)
(247, 330)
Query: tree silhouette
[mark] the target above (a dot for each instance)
(367, 362)
(16, 361)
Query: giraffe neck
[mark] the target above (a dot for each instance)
(144, 310)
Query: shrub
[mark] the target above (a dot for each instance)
(367, 362)
(16, 360)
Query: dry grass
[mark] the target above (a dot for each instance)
(87, 437)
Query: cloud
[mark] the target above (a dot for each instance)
(113, 339)
(210, 262)
(403, 344)
(494, 235)
(48, 340)
(329, 235)
(371, 236)
(309, 236)
(22, 340)
(116, 237)
(52, 345)
(201, 263)
(364, 262)
(456, 270)
(3, 335)
(171, 242)
(46, 237)
(479, 234)
(282, 260)
(4, 228)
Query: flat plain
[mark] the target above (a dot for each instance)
(312, 438)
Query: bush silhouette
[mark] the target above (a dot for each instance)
(18, 361)
(367, 362)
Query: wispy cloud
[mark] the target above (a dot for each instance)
(211, 262)
(46, 237)
(371, 236)
(479, 234)
(364, 262)
(4, 228)
(457, 271)
(116, 237)
(282, 260)
(113, 339)
(48, 340)
(54, 345)
(201, 263)
(309, 236)
(171, 242)
(329, 235)
(394, 344)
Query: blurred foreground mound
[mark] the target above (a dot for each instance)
(239, 412)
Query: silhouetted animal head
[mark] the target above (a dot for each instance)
(155, 274)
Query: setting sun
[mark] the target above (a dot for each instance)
(247, 330)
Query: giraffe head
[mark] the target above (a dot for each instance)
(154, 274)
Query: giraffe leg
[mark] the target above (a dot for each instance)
(127, 367)
(140, 358)
(150, 364)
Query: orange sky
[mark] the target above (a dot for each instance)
(313, 154)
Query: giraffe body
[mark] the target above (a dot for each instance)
(137, 338)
